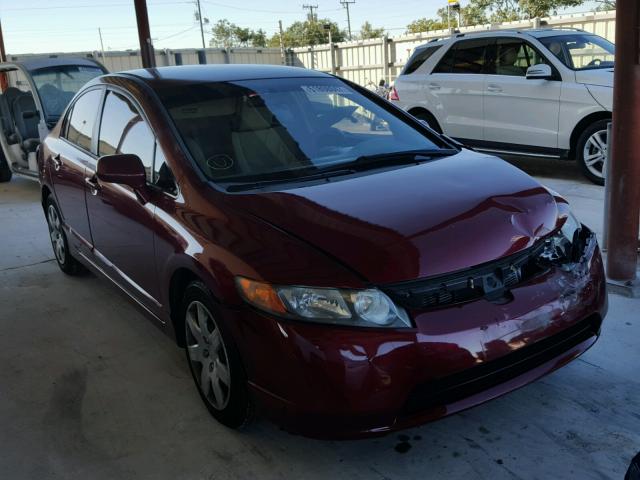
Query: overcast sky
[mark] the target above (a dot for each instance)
(35, 26)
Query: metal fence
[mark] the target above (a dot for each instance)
(364, 62)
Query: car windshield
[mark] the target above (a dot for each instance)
(57, 85)
(581, 51)
(285, 128)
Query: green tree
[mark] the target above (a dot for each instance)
(223, 34)
(606, 5)
(495, 11)
(543, 8)
(368, 31)
(425, 25)
(227, 35)
(241, 36)
(301, 34)
(258, 38)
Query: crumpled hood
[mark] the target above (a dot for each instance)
(602, 77)
(413, 222)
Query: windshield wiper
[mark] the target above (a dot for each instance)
(242, 186)
(378, 160)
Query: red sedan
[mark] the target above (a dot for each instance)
(323, 257)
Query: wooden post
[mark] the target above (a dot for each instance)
(624, 171)
(144, 34)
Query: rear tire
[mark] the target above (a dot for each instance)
(66, 262)
(5, 171)
(429, 119)
(591, 151)
(214, 360)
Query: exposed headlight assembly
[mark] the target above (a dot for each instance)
(567, 244)
(364, 308)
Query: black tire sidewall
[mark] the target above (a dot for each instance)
(430, 119)
(5, 171)
(582, 140)
(70, 265)
(238, 411)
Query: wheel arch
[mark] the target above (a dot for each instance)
(580, 127)
(45, 191)
(415, 111)
(184, 273)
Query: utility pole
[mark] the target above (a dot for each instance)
(201, 26)
(311, 8)
(101, 45)
(282, 52)
(345, 4)
(144, 34)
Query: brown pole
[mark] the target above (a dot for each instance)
(3, 54)
(624, 171)
(4, 82)
(144, 34)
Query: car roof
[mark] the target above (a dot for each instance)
(36, 63)
(536, 33)
(217, 73)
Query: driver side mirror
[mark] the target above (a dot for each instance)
(124, 169)
(541, 71)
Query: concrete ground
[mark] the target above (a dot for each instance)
(89, 389)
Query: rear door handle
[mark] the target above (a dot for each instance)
(92, 183)
(57, 162)
(434, 86)
(494, 88)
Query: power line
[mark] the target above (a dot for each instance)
(100, 5)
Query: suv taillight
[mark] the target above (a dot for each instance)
(393, 94)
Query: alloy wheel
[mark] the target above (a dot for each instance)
(595, 153)
(208, 355)
(56, 234)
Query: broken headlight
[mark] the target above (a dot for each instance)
(565, 246)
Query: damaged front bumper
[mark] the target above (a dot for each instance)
(344, 382)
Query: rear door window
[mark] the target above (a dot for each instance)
(83, 119)
(466, 56)
(124, 130)
(418, 59)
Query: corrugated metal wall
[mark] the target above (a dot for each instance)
(364, 62)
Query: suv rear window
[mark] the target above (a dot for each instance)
(466, 56)
(418, 58)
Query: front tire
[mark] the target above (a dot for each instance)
(429, 119)
(214, 360)
(66, 262)
(591, 151)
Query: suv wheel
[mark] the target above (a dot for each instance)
(429, 119)
(5, 171)
(214, 360)
(66, 262)
(592, 151)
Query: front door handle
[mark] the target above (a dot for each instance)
(92, 183)
(494, 88)
(434, 86)
(57, 162)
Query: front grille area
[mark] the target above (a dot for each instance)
(446, 390)
(493, 280)
(490, 280)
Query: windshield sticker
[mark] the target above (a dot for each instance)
(325, 89)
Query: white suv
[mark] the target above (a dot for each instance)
(540, 92)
